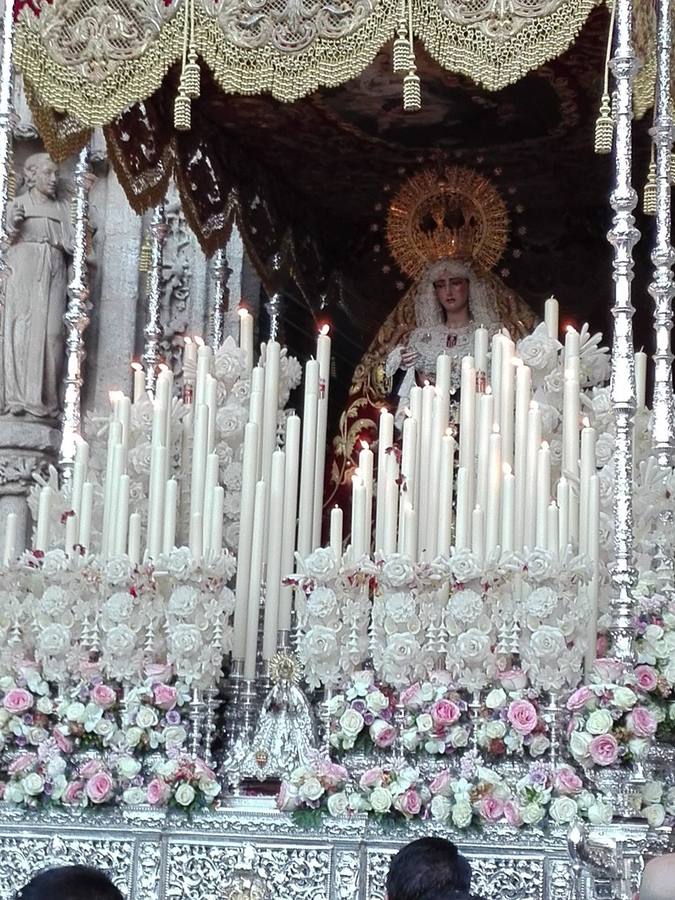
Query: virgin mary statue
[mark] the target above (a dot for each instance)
(446, 232)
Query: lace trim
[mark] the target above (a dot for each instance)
(491, 51)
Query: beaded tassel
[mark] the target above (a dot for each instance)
(402, 52)
(604, 124)
(649, 195)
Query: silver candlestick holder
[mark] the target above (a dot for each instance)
(196, 723)
(552, 718)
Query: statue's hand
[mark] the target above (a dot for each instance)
(18, 216)
(409, 358)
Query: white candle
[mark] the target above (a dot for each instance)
(196, 534)
(323, 345)
(109, 486)
(253, 611)
(506, 427)
(124, 417)
(292, 450)
(212, 407)
(274, 573)
(496, 368)
(506, 532)
(198, 474)
(523, 398)
(425, 453)
(85, 515)
(44, 512)
(594, 553)
(270, 407)
(485, 420)
(443, 368)
(570, 435)
(641, 378)
(79, 474)
(492, 516)
(119, 545)
(9, 551)
(551, 313)
(410, 533)
(586, 470)
(385, 440)
(170, 508)
(190, 360)
(113, 498)
(408, 466)
(308, 460)
(204, 355)
(248, 493)
(135, 539)
(543, 490)
(366, 460)
(156, 502)
(533, 445)
(467, 424)
(443, 527)
(478, 533)
(336, 526)
(139, 382)
(359, 540)
(572, 346)
(216, 541)
(390, 504)
(480, 349)
(552, 533)
(563, 498)
(246, 336)
(210, 482)
(72, 531)
(462, 517)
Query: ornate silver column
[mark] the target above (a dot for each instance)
(76, 317)
(6, 115)
(623, 236)
(219, 273)
(153, 331)
(662, 288)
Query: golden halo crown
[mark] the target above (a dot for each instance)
(453, 213)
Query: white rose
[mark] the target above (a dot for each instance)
(459, 736)
(397, 572)
(547, 643)
(466, 606)
(185, 794)
(54, 640)
(76, 712)
(652, 792)
(119, 606)
(496, 699)
(473, 646)
(376, 702)
(92, 716)
(128, 767)
(59, 784)
(180, 563)
(425, 723)
(120, 641)
(532, 813)
(146, 717)
(351, 723)
(624, 697)
(336, 705)
(183, 601)
(380, 800)
(117, 570)
(133, 796)
(37, 735)
(310, 790)
(132, 736)
(186, 641)
(53, 562)
(400, 607)
(579, 743)
(321, 565)
(462, 813)
(174, 736)
(655, 815)
(495, 730)
(539, 565)
(539, 745)
(538, 350)
(33, 784)
(542, 602)
(600, 813)
(563, 810)
(440, 808)
(14, 792)
(464, 566)
(104, 729)
(45, 706)
(599, 722)
(338, 804)
(321, 603)
(361, 682)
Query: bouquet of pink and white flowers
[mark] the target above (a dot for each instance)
(511, 724)
(362, 714)
(435, 718)
(182, 782)
(321, 781)
(390, 791)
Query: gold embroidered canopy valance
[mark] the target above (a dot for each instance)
(93, 58)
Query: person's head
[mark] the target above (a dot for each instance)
(452, 293)
(428, 869)
(70, 883)
(658, 879)
(42, 173)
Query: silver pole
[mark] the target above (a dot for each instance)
(662, 288)
(153, 332)
(623, 236)
(219, 272)
(76, 317)
(6, 116)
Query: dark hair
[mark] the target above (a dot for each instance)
(428, 869)
(70, 883)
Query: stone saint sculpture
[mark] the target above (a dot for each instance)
(41, 244)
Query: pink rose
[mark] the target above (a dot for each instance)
(445, 712)
(579, 698)
(331, 774)
(512, 814)
(17, 701)
(370, 778)
(89, 669)
(165, 696)
(62, 742)
(287, 798)
(646, 678)
(73, 793)
(410, 694)
(103, 696)
(441, 784)
(608, 670)
(641, 722)
(604, 749)
(158, 792)
(382, 734)
(513, 680)
(567, 781)
(523, 716)
(91, 768)
(410, 803)
(21, 763)
(159, 671)
(99, 788)
(491, 809)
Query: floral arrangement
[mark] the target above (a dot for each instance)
(512, 724)
(435, 717)
(182, 782)
(362, 714)
(322, 781)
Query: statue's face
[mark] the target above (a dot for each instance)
(47, 178)
(452, 293)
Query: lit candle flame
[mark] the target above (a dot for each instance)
(544, 445)
(324, 329)
(137, 367)
(506, 469)
(586, 422)
(243, 312)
